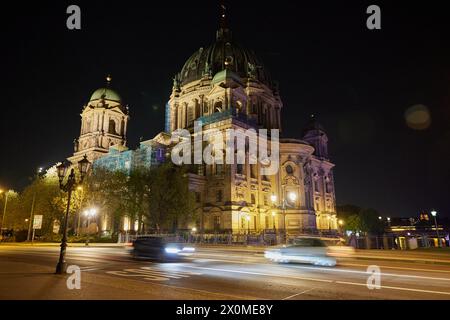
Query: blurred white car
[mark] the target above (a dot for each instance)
(302, 250)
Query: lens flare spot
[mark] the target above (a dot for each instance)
(418, 117)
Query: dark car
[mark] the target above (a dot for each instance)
(160, 248)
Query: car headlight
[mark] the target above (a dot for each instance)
(172, 250)
(188, 249)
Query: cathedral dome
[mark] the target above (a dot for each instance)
(223, 54)
(105, 93)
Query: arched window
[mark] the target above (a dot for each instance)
(239, 106)
(112, 127)
(122, 128)
(216, 222)
(87, 126)
(289, 169)
(218, 106)
(219, 196)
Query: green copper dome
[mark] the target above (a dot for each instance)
(107, 94)
(223, 54)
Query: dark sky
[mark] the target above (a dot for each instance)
(359, 83)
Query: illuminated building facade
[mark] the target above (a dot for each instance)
(225, 86)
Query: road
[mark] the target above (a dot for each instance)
(26, 272)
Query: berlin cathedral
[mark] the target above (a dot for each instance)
(224, 86)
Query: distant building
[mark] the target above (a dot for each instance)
(422, 228)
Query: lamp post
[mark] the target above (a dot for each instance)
(341, 224)
(68, 187)
(273, 199)
(292, 199)
(4, 210)
(273, 220)
(80, 188)
(434, 214)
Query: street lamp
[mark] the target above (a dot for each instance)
(434, 214)
(273, 198)
(292, 196)
(4, 210)
(90, 213)
(380, 218)
(341, 224)
(68, 187)
(273, 219)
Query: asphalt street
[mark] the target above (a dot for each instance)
(26, 272)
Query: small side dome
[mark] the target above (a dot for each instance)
(313, 125)
(107, 94)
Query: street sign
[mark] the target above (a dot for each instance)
(37, 221)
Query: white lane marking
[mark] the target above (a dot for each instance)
(366, 273)
(344, 270)
(321, 280)
(394, 267)
(218, 260)
(261, 274)
(298, 294)
(153, 274)
(396, 288)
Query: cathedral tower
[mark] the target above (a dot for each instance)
(104, 122)
(323, 192)
(315, 134)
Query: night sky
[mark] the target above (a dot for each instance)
(359, 83)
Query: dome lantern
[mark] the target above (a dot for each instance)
(106, 93)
